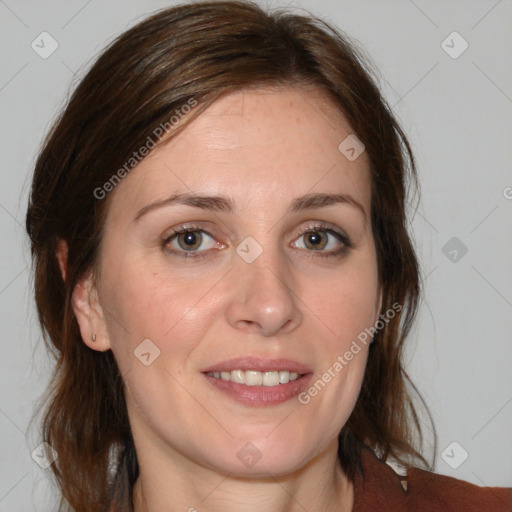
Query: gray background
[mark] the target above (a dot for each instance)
(457, 113)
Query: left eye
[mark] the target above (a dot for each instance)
(320, 239)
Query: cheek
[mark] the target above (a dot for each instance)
(346, 309)
(345, 304)
(144, 302)
(174, 316)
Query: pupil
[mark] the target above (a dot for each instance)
(190, 238)
(314, 238)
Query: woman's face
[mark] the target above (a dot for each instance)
(274, 276)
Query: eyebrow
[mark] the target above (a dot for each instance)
(226, 204)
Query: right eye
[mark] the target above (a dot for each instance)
(187, 241)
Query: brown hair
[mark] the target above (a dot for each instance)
(201, 51)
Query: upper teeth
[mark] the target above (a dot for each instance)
(254, 378)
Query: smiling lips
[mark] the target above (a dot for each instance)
(259, 382)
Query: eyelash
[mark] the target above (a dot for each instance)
(345, 240)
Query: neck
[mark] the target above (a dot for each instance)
(173, 485)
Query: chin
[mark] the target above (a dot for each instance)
(260, 458)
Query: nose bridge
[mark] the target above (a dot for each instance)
(263, 256)
(264, 267)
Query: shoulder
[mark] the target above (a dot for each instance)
(379, 487)
(452, 494)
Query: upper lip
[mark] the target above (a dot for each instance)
(258, 364)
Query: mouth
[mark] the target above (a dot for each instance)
(259, 382)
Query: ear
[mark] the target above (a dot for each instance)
(89, 314)
(86, 306)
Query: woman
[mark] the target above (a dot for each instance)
(223, 267)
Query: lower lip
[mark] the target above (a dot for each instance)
(259, 396)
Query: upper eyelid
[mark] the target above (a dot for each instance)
(320, 225)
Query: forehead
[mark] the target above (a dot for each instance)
(256, 146)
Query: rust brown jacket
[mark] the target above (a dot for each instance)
(382, 490)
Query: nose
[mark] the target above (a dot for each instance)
(263, 301)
